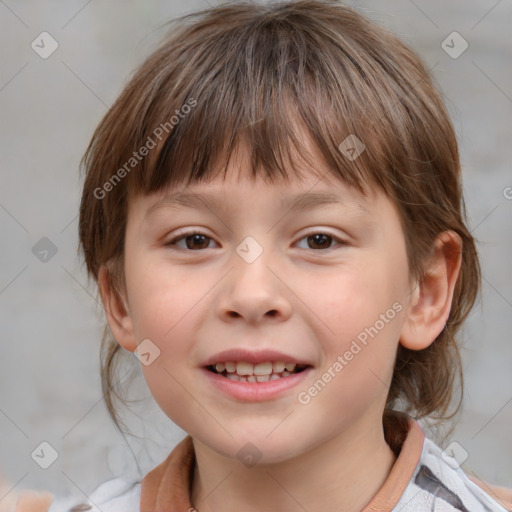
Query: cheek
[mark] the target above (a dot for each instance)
(359, 362)
(361, 300)
(161, 296)
(363, 314)
(163, 304)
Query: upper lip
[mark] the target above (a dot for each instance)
(253, 356)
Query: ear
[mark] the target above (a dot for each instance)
(117, 312)
(431, 300)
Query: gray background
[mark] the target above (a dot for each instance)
(50, 320)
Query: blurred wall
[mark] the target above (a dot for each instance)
(50, 320)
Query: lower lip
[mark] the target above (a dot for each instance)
(256, 391)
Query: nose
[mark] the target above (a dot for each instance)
(254, 293)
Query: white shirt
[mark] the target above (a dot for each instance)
(437, 484)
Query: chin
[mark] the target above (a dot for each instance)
(256, 445)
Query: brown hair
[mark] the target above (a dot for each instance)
(255, 73)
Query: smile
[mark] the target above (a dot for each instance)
(243, 371)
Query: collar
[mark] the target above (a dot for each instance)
(167, 487)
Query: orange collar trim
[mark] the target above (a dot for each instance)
(167, 487)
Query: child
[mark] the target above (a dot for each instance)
(262, 132)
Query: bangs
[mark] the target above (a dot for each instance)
(267, 83)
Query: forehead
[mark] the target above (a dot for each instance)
(234, 198)
(292, 195)
(308, 183)
(300, 157)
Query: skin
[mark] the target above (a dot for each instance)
(305, 297)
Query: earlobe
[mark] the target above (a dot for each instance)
(430, 301)
(116, 311)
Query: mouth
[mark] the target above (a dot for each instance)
(245, 371)
(249, 375)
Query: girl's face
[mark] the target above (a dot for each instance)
(241, 273)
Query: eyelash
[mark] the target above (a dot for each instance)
(187, 234)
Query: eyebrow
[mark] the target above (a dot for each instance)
(301, 201)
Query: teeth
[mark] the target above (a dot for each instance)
(261, 372)
(244, 368)
(230, 366)
(278, 366)
(263, 369)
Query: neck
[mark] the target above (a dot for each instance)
(343, 473)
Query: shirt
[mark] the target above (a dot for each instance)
(422, 479)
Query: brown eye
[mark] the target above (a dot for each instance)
(320, 241)
(193, 241)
